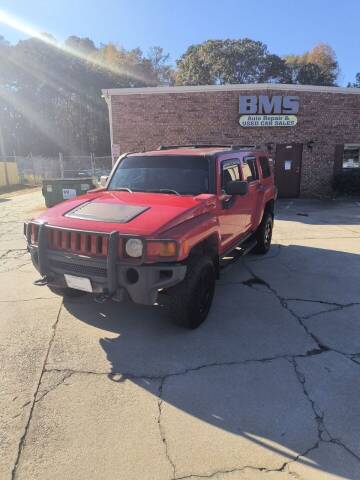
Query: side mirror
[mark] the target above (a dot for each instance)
(103, 180)
(236, 187)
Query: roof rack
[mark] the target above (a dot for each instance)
(210, 145)
(246, 147)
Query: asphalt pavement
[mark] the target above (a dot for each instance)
(266, 389)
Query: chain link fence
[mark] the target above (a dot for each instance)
(32, 169)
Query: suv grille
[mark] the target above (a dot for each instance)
(85, 243)
(79, 269)
(78, 242)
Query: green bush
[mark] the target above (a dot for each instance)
(347, 182)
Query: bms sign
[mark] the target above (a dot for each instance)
(265, 111)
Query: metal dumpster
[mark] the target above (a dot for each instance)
(56, 190)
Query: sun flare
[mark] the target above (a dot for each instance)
(20, 25)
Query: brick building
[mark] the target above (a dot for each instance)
(311, 131)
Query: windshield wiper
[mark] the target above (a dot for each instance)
(163, 190)
(124, 189)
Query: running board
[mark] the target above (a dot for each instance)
(237, 252)
(248, 246)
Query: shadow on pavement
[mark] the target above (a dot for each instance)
(225, 373)
(344, 211)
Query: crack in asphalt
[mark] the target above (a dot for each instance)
(220, 472)
(255, 279)
(161, 429)
(283, 467)
(335, 309)
(26, 429)
(285, 305)
(323, 432)
(122, 376)
(19, 251)
(28, 299)
(67, 374)
(251, 282)
(355, 358)
(9, 256)
(3, 255)
(319, 415)
(323, 302)
(162, 378)
(338, 442)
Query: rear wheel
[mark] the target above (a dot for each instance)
(189, 302)
(263, 234)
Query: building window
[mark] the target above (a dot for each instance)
(351, 157)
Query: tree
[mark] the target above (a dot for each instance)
(50, 93)
(229, 61)
(159, 62)
(83, 46)
(315, 67)
(355, 84)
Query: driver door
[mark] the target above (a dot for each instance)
(231, 211)
(250, 173)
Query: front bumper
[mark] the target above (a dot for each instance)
(108, 276)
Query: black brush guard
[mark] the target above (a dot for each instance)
(111, 276)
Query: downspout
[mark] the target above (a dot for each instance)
(107, 98)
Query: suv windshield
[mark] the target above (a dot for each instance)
(178, 174)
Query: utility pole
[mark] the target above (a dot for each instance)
(61, 163)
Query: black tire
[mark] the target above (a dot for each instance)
(189, 302)
(263, 234)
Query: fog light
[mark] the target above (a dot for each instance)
(132, 275)
(134, 247)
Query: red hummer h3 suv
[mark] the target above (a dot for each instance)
(157, 231)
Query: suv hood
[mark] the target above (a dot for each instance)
(129, 213)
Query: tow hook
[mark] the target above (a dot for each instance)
(41, 282)
(117, 296)
(102, 298)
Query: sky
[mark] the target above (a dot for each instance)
(285, 26)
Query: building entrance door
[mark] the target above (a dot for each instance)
(288, 169)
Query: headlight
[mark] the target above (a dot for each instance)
(134, 247)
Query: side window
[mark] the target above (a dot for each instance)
(230, 171)
(351, 156)
(250, 169)
(265, 167)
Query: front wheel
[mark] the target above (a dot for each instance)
(263, 234)
(189, 302)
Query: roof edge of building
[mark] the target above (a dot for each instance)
(229, 88)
